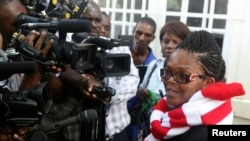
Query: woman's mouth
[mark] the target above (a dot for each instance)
(171, 92)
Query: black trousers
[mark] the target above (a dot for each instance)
(195, 133)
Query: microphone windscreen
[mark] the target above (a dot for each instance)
(103, 43)
(18, 67)
(74, 25)
(22, 18)
(79, 37)
(88, 115)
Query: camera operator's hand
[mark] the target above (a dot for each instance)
(89, 82)
(37, 40)
(14, 134)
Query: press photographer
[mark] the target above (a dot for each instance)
(62, 49)
(10, 9)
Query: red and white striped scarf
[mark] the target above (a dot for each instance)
(209, 106)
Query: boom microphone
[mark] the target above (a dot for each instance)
(85, 116)
(103, 42)
(9, 68)
(18, 67)
(79, 37)
(63, 26)
(22, 18)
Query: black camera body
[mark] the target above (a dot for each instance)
(24, 108)
(88, 56)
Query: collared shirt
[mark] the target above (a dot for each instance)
(151, 56)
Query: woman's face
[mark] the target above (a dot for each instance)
(168, 44)
(184, 64)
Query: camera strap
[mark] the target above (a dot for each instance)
(150, 74)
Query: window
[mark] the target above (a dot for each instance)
(209, 15)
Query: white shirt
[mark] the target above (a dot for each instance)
(154, 82)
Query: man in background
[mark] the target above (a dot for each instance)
(143, 35)
(106, 25)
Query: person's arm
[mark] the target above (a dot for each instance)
(7, 134)
(83, 82)
(35, 39)
(16, 134)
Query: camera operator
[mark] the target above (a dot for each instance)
(117, 117)
(9, 10)
(12, 133)
(27, 82)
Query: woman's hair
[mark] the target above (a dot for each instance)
(203, 45)
(176, 28)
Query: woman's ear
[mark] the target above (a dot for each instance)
(209, 80)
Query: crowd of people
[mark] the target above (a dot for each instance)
(190, 71)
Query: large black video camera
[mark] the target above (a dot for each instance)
(24, 108)
(95, 56)
(86, 56)
(91, 54)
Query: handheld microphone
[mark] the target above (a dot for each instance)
(85, 116)
(64, 26)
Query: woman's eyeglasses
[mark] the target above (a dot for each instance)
(180, 78)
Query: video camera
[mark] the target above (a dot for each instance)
(83, 56)
(24, 108)
(89, 54)
(97, 58)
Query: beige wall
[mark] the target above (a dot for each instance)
(236, 52)
(242, 121)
